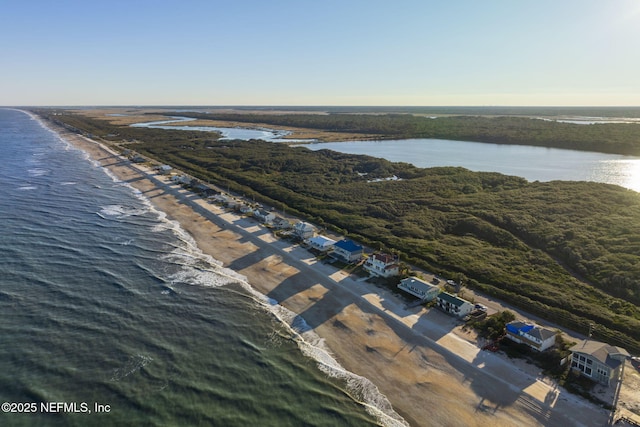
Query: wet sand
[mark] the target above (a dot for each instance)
(420, 360)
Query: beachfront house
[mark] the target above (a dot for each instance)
(453, 304)
(536, 337)
(203, 189)
(245, 209)
(321, 243)
(382, 265)
(598, 361)
(181, 179)
(222, 198)
(419, 288)
(281, 223)
(264, 216)
(347, 251)
(304, 230)
(164, 169)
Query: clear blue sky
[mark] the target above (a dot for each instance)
(320, 52)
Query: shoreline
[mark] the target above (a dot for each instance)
(416, 358)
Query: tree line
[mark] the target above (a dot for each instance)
(612, 138)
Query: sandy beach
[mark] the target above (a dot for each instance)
(431, 371)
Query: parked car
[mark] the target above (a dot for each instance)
(480, 307)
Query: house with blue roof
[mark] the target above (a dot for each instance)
(534, 336)
(347, 251)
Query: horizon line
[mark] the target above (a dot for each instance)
(304, 106)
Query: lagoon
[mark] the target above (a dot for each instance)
(531, 163)
(228, 133)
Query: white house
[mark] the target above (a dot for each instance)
(419, 288)
(453, 304)
(382, 265)
(264, 216)
(321, 243)
(304, 230)
(165, 169)
(532, 335)
(598, 361)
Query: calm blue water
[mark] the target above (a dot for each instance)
(531, 163)
(265, 134)
(102, 300)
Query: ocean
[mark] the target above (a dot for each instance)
(110, 315)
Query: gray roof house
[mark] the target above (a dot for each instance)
(304, 230)
(419, 288)
(598, 361)
(454, 305)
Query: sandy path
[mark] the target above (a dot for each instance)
(431, 375)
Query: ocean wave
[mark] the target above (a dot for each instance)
(361, 389)
(120, 212)
(198, 268)
(131, 365)
(38, 171)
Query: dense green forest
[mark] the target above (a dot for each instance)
(566, 251)
(614, 138)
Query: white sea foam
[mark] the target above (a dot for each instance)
(27, 187)
(198, 268)
(120, 212)
(38, 171)
(361, 389)
(130, 366)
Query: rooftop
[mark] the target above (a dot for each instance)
(536, 331)
(348, 245)
(600, 351)
(417, 283)
(452, 299)
(321, 240)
